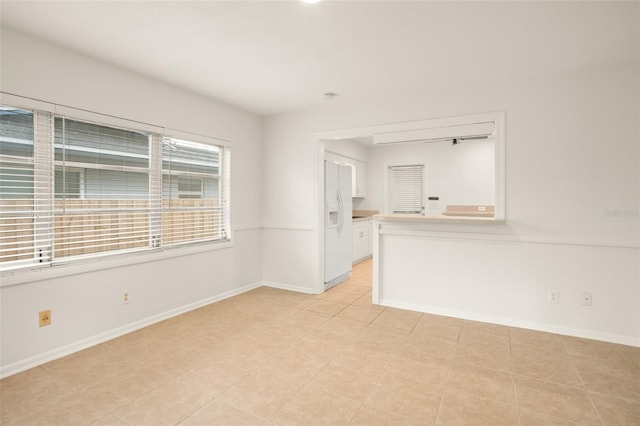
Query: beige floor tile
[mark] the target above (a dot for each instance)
(315, 406)
(365, 301)
(369, 416)
(302, 320)
(607, 354)
(482, 383)
(615, 382)
(535, 418)
(297, 365)
(322, 346)
(544, 365)
(385, 336)
(483, 355)
(364, 355)
(484, 327)
(348, 288)
(170, 402)
(326, 307)
(617, 412)
(218, 412)
(348, 379)
(425, 343)
(261, 394)
(110, 420)
(420, 367)
(406, 397)
(338, 297)
(460, 409)
(548, 342)
(398, 318)
(483, 338)
(361, 282)
(556, 400)
(428, 320)
(439, 331)
(361, 313)
(338, 329)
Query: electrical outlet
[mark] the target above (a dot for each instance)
(553, 296)
(125, 296)
(586, 298)
(45, 318)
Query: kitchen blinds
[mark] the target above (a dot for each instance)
(194, 191)
(406, 189)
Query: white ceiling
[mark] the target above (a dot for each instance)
(271, 57)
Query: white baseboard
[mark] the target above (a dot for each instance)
(550, 328)
(289, 287)
(36, 360)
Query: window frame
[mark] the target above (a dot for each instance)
(387, 187)
(18, 274)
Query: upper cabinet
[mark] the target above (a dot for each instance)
(358, 172)
(360, 180)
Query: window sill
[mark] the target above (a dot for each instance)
(62, 269)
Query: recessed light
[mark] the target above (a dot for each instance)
(312, 1)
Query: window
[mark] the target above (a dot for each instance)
(194, 198)
(406, 189)
(17, 242)
(68, 183)
(189, 187)
(71, 189)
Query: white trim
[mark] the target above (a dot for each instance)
(34, 273)
(288, 287)
(531, 325)
(248, 227)
(478, 236)
(25, 103)
(65, 350)
(195, 137)
(98, 118)
(288, 227)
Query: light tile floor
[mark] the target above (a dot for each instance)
(273, 357)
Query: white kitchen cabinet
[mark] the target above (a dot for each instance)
(358, 172)
(362, 246)
(361, 179)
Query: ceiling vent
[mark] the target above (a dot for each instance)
(459, 132)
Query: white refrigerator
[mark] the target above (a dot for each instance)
(338, 239)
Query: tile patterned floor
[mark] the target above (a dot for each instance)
(273, 357)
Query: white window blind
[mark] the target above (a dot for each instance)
(406, 191)
(72, 189)
(18, 187)
(195, 195)
(113, 213)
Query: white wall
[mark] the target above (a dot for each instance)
(348, 148)
(85, 306)
(460, 174)
(572, 157)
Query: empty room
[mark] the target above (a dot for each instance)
(319, 212)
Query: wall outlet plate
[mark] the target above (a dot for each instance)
(125, 296)
(44, 318)
(553, 296)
